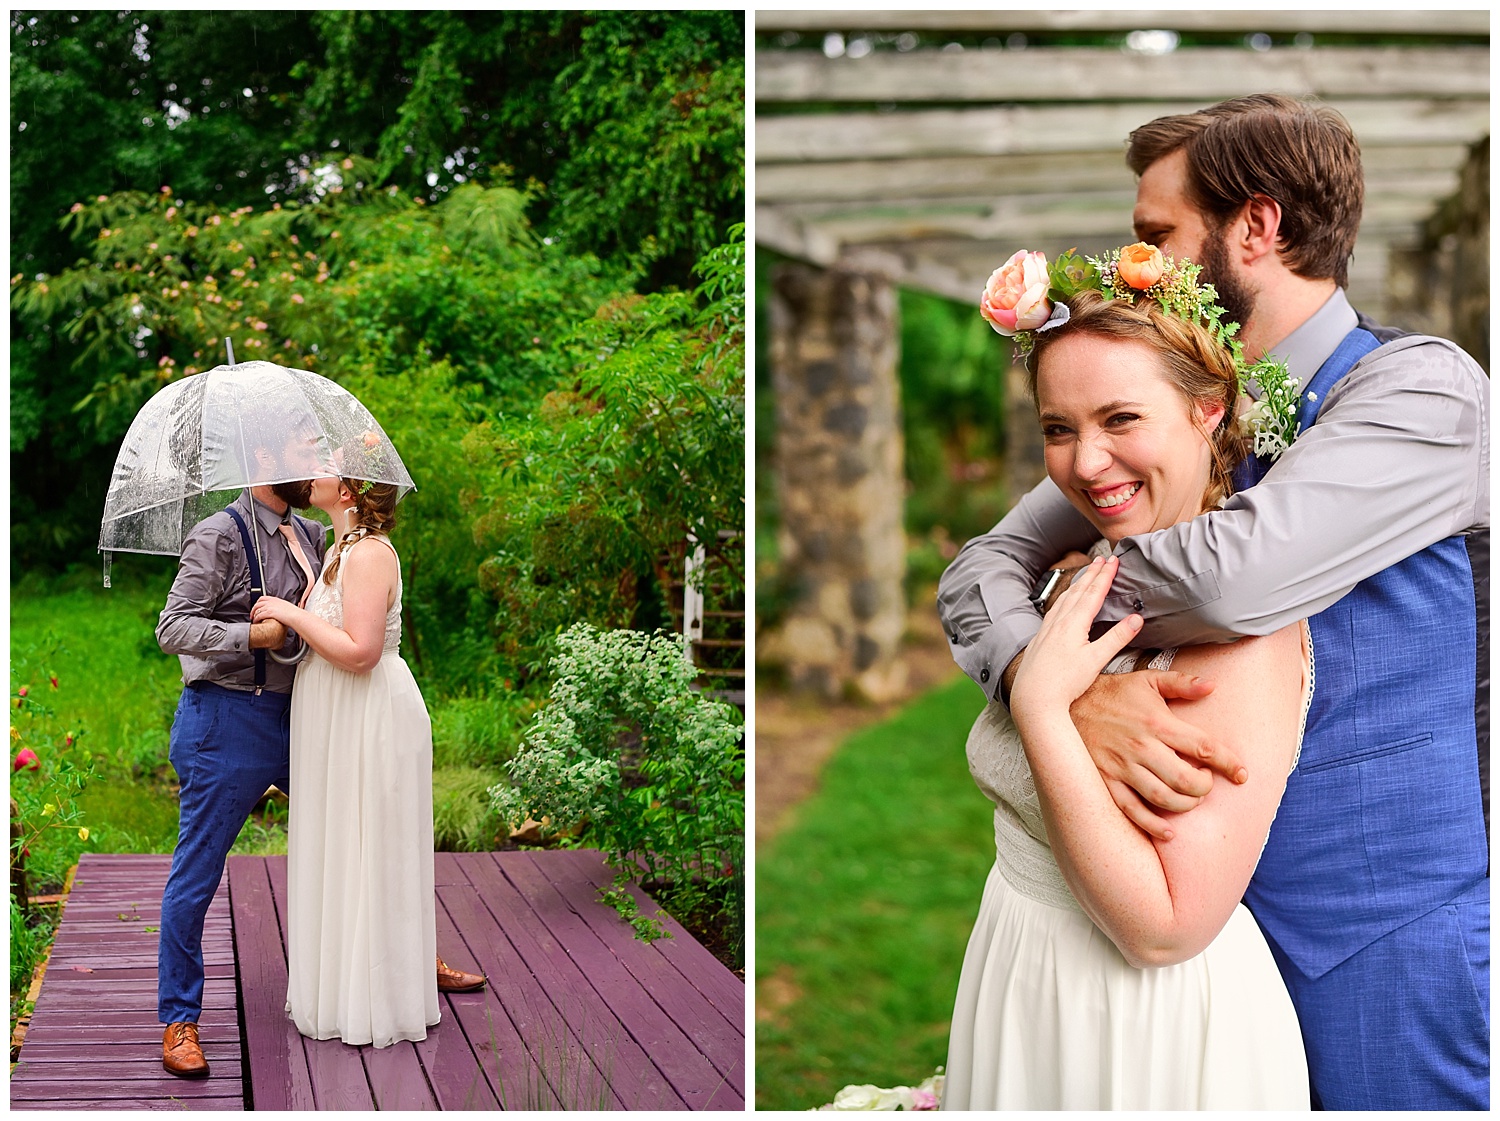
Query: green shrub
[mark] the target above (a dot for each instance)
(48, 772)
(30, 939)
(649, 770)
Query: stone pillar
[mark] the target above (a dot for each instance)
(839, 479)
(1441, 286)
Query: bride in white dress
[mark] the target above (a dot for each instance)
(1109, 970)
(361, 934)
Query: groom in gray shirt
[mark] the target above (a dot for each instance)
(1373, 889)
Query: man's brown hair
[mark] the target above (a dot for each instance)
(1303, 156)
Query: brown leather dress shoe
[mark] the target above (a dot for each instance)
(452, 980)
(180, 1052)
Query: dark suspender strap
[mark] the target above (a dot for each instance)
(257, 586)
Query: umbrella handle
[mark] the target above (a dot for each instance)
(290, 659)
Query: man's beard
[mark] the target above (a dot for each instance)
(1235, 297)
(295, 494)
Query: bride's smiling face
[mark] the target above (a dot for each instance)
(1120, 440)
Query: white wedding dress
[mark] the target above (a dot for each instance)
(1049, 1015)
(361, 933)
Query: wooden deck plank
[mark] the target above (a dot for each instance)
(126, 1068)
(691, 958)
(110, 1025)
(452, 1068)
(494, 1045)
(397, 1080)
(146, 1053)
(719, 1040)
(691, 1075)
(95, 1095)
(625, 1067)
(334, 1068)
(572, 998)
(100, 992)
(513, 1008)
(279, 1076)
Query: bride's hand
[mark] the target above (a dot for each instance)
(1060, 661)
(270, 607)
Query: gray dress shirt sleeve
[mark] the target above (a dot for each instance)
(1398, 460)
(206, 620)
(210, 559)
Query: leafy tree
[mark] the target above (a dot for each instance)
(631, 121)
(624, 131)
(640, 446)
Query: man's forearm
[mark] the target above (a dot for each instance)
(1386, 472)
(983, 597)
(201, 637)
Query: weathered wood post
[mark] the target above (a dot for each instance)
(839, 478)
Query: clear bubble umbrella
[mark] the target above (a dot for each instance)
(201, 440)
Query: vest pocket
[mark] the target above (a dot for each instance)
(1362, 755)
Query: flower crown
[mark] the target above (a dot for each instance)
(1026, 295)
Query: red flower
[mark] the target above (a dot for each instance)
(53, 679)
(23, 690)
(26, 760)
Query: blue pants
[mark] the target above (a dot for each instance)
(1404, 1024)
(227, 747)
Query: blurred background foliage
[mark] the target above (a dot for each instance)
(517, 236)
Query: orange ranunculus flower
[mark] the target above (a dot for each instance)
(1141, 265)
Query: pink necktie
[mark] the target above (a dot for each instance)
(295, 547)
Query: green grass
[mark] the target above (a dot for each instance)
(864, 905)
(118, 688)
(115, 686)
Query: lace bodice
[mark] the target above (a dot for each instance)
(327, 600)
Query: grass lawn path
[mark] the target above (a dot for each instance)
(864, 902)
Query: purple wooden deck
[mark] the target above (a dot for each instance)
(578, 1013)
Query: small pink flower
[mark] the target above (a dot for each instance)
(26, 760)
(923, 1099)
(1015, 299)
(23, 690)
(297, 298)
(371, 440)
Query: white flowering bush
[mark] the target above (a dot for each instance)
(641, 766)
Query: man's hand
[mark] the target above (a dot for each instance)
(267, 635)
(1149, 758)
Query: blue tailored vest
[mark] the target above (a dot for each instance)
(1373, 887)
(1382, 820)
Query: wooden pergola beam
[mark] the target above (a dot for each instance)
(1203, 74)
(973, 176)
(1082, 128)
(1463, 23)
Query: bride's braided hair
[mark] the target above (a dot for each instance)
(375, 509)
